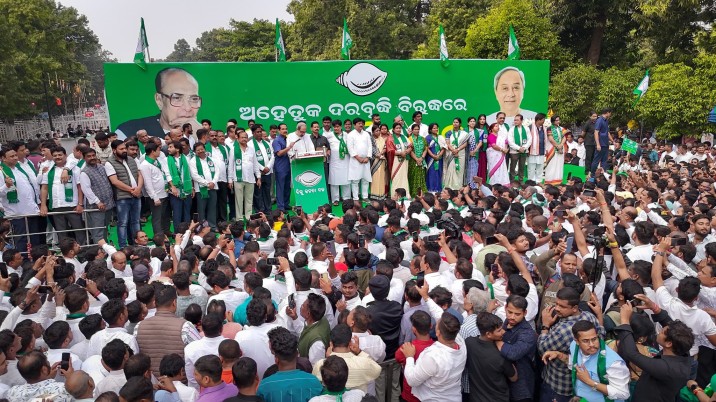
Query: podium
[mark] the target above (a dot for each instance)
(308, 181)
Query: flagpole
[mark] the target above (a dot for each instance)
(149, 58)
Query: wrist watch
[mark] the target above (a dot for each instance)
(594, 386)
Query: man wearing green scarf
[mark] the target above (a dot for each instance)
(205, 176)
(19, 195)
(244, 172)
(58, 197)
(519, 139)
(338, 174)
(219, 153)
(181, 190)
(265, 160)
(155, 184)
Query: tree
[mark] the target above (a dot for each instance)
(47, 41)
(182, 51)
(380, 29)
(573, 91)
(487, 36)
(456, 17)
(677, 101)
(615, 92)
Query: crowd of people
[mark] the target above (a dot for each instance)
(470, 270)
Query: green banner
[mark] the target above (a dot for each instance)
(309, 183)
(273, 93)
(630, 146)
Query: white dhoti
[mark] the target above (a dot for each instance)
(535, 168)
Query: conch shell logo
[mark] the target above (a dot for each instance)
(309, 178)
(362, 79)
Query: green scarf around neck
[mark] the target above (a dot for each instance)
(342, 147)
(204, 190)
(455, 142)
(238, 161)
(209, 148)
(157, 165)
(601, 366)
(259, 154)
(520, 136)
(399, 139)
(184, 185)
(12, 195)
(337, 394)
(69, 191)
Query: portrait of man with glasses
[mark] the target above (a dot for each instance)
(177, 97)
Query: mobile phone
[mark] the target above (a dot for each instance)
(420, 192)
(298, 210)
(254, 216)
(228, 236)
(490, 240)
(432, 238)
(325, 276)
(291, 301)
(415, 236)
(678, 241)
(569, 176)
(81, 282)
(65, 363)
(495, 271)
(195, 217)
(589, 193)
(554, 313)
(570, 244)
(331, 246)
(272, 261)
(44, 289)
(560, 213)
(361, 240)
(420, 279)
(3, 270)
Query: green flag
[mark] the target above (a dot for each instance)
(640, 89)
(280, 46)
(513, 48)
(142, 48)
(346, 42)
(444, 59)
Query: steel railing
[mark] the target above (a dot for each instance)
(29, 234)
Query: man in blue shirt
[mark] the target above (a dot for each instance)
(282, 168)
(602, 139)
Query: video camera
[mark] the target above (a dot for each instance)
(447, 224)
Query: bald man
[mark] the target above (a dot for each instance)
(80, 385)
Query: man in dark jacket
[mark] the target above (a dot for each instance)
(519, 347)
(387, 316)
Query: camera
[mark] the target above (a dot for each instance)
(447, 224)
(598, 241)
(477, 212)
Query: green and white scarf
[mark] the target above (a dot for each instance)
(156, 164)
(204, 190)
(184, 186)
(222, 148)
(238, 155)
(399, 139)
(455, 141)
(141, 147)
(69, 191)
(12, 195)
(342, 147)
(520, 136)
(259, 154)
(338, 394)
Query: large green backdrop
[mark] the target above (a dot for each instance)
(271, 93)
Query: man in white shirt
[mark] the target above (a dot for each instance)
(299, 142)
(63, 198)
(253, 339)
(20, 195)
(244, 172)
(114, 357)
(418, 119)
(360, 149)
(265, 160)
(220, 155)
(114, 312)
(205, 175)
(212, 325)
(519, 139)
(339, 162)
(98, 195)
(219, 283)
(58, 338)
(155, 185)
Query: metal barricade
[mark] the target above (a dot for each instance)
(49, 214)
(388, 366)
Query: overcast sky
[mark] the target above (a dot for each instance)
(116, 23)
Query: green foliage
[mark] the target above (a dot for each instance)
(573, 92)
(456, 16)
(487, 36)
(43, 39)
(616, 91)
(677, 101)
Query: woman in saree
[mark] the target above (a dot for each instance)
(378, 164)
(454, 160)
(434, 159)
(496, 150)
(484, 130)
(416, 168)
(473, 137)
(554, 159)
(398, 152)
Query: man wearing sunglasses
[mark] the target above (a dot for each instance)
(177, 97)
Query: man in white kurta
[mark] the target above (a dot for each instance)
(302, 142)
(360, 149)
(338, 173)
(244, 172)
